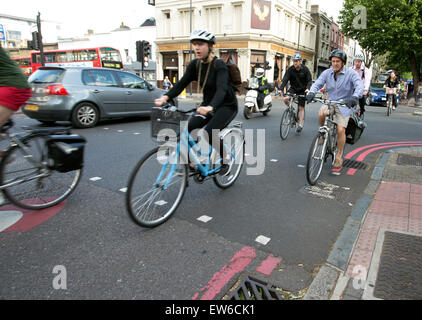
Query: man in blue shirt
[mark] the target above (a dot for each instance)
(341, 84)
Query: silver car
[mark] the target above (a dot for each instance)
(86, 95)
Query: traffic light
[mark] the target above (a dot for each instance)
(139, 51)
(146, 53)
(35, 40)
(147, 49)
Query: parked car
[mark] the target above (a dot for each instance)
(85, 95)
(376, 95)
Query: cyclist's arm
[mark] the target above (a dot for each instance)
(308, 79)
(286, 79)
(188, 77)
(358, 86)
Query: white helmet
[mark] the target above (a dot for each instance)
(259, 73)
(359, 56)
(203, 35)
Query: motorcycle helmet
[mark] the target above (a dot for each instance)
(259, 73)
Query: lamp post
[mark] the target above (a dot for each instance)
(190, 43)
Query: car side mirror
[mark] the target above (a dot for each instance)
(149, 86)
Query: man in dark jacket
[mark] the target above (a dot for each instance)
(300, 82)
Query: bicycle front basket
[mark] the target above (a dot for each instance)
(166, 124)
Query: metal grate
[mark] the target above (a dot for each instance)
(348, 163)
(248, 288)
(405, 159)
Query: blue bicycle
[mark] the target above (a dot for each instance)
(159, 180)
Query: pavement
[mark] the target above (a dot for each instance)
(362, 265)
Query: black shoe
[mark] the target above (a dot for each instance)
(224, 169)
(299, 129)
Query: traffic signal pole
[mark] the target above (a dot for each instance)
(40, 39)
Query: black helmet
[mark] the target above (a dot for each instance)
(339, 54)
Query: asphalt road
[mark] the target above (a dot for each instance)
(106, 256)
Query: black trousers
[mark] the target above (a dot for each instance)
(221, 119)
(362, 102)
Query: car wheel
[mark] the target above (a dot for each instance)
(368, 101)
(85, 115)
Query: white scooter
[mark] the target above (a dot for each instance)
(251, 100)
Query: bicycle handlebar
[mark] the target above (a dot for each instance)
(331, 102)
(294, 95)
(167, 105)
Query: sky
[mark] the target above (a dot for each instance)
(77, 16)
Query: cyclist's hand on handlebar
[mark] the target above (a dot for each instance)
(309, 97)
(352, 102)
(204, 110)
(160, 101)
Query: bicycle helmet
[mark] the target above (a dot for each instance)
(203, 35)
(339, 54)
(359, 56)
(297, 56)
(259, 73)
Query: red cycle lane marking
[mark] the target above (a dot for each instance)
(268, 265)
(363, 155)
(237, 264)
(352, 153)
(32, 218)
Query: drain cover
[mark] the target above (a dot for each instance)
(406, 159)
(248, 288)
(400, 269)
(348, 163)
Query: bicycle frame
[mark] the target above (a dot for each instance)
(205, 169)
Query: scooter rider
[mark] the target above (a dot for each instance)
(342, 84)
(300, 82)
(263, 89)
(366, 75)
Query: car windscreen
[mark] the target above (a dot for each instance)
(377, 85)
(45, 76)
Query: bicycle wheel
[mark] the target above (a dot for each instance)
(156, 187)
(316, 157)
(285, 124)
(28, 182)
(235, 149)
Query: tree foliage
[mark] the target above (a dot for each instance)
(393, 27)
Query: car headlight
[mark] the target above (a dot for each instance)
(373, 94)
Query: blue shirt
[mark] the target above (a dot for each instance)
(348, 84)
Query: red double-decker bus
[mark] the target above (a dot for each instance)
(101, 57)
(25, 64)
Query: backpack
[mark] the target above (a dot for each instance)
(235, 80)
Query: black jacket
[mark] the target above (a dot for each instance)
(217, 91)
(299, 80)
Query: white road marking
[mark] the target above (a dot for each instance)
(95, 178)
(9, 218)
(123, 189)
(204, 219)
(119, 130)
(324, 190)
(274, 160)
(160, 202)
(262, 240)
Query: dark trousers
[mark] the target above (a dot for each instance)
(221, 119)
(362, 102)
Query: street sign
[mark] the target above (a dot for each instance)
(2, 33)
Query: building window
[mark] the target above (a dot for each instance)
(213, 17)
(185, 16)
(237, 18)
(166, 24)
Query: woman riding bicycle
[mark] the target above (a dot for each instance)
(392, 82)
(219, 106)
